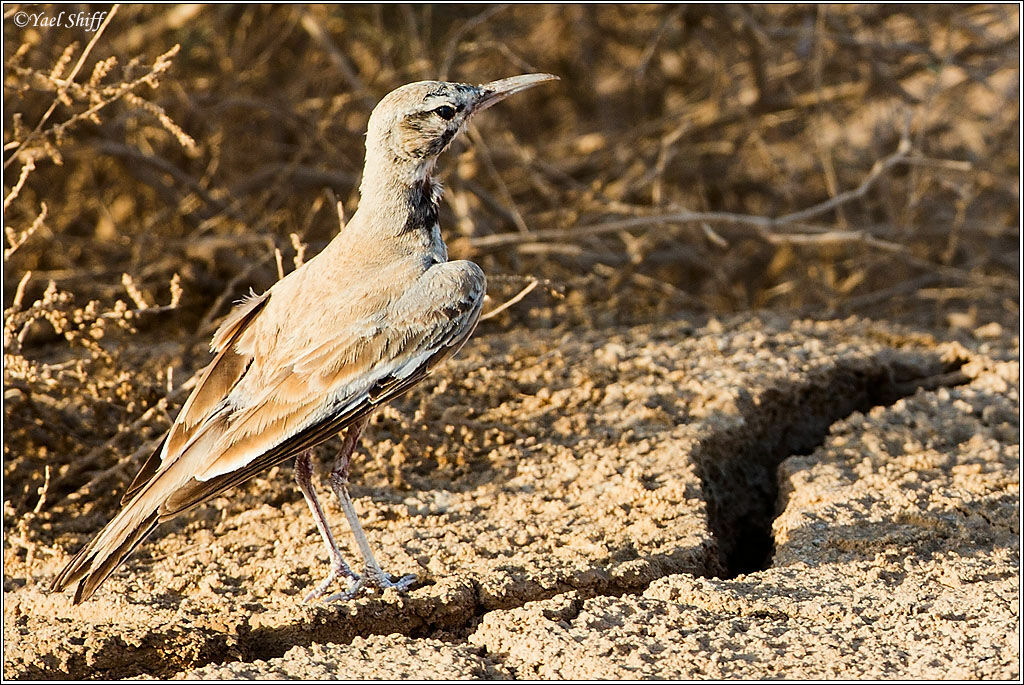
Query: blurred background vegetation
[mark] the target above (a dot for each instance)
(818, 160)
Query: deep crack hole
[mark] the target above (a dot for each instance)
(738, 467)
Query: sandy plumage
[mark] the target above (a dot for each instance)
(351, 329)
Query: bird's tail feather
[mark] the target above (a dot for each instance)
(112, 545)
(95, 562)
(96, 574)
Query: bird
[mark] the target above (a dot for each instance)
(356, 326)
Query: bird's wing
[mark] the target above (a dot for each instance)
(290, 403)
(214, 384)
(326, 387)
(160, 476)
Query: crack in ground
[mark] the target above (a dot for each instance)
(738, 466)
(737, 469)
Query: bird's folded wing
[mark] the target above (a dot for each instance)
(344, 376)
(215, 382)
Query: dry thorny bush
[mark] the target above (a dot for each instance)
(825, 160)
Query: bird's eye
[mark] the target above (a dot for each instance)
(445, 112)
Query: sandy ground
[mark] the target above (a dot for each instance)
(751, 498)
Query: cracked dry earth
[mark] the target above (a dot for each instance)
(759, 498)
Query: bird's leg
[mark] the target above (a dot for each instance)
(304, 477)
(372, 573)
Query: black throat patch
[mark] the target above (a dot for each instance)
(422, 207)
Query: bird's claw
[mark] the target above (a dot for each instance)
(386, 580)
(373, 579)
(339, 569)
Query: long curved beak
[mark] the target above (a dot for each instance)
(496, 91)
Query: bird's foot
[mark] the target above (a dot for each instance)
(374, 578)
(339, 569)
(383, 581)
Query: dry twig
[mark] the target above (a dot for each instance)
(513, 300)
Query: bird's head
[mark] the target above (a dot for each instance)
(416, 122)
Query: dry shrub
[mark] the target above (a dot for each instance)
(822, 159)
(70, 379)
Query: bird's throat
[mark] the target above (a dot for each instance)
(400, 199)
(422, 199)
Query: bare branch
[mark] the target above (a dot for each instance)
(764, 225)
(16, 240)
(879, 168)
(520, 295)
(338, 59)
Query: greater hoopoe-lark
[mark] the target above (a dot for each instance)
(354, 327)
